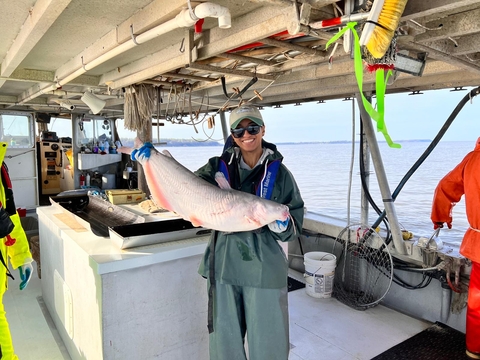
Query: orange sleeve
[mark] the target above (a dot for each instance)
(448, 192)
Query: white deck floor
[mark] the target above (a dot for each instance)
(33, 332)
(319, 328)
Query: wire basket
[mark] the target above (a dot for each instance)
(364, 269)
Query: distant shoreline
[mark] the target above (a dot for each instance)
(176, 143)
(192, 143)
(345, 142)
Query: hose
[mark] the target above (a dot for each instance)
(365, 187)
(427, 152)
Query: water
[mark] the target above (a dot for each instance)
(322, 172)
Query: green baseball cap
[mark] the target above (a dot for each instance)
(245, 112)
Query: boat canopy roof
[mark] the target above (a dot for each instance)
(268, 52)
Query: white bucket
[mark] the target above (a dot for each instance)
(319, 273)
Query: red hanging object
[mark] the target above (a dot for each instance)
(10, 241)
(375, 67)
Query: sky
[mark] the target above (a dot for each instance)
(408, 117)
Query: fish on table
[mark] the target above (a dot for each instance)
(176, 188)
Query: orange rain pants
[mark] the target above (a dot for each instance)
(464, 179)
(473, 310)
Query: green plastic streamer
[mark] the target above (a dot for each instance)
(381, 83)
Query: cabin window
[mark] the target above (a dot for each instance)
(127, 137)
(17, 130)
(93, 133)
(103, 130)
(61, 126)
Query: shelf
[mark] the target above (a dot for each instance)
(90, 161)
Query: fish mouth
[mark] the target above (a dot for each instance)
(286, 213)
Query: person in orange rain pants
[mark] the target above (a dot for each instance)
(13, 247)
(464, 179)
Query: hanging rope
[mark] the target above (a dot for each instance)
(139, 106)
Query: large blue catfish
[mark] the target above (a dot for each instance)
(175, 188)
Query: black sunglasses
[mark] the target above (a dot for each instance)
(239, 132)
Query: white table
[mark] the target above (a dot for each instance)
(141, 303)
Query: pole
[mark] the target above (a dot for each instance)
(225, 128)
(366, 161)
(382, 179)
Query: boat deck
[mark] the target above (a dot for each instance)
(319, 328)
(33, 332)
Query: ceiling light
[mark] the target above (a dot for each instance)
(94, 103)
(410, 65)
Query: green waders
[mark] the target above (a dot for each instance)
(260, 313)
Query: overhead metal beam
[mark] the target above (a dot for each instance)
(304, 81)
(316, 4)
(40, 76)
(452, 26)
(217, 70)
(422, 8)
(152, 15)
(162, 62)
(439, 55)
(312, 92)
(40, 18)
(464, 45)
(81, 69)
(247, 59)
(270, 21)
(247, 29)
(188, 76)
(28, 75)
(12, 100)
(290, 46)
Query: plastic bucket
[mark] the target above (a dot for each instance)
(319, 273)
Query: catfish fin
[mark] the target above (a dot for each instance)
(195, 222)
(252, 221)
(167, 153)
(222, 181)
(125, 150)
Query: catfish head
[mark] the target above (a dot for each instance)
(265, 212)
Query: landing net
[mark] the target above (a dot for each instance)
(364, 269)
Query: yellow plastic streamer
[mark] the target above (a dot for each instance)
(381, 83)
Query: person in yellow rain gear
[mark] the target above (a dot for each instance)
(14, 248)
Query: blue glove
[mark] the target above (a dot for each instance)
(144, 151)
(25, 275)
(279, 226)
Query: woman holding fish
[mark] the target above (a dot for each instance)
(247, 269)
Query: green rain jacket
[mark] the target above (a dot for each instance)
(254, 258)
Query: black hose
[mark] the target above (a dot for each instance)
(234, 96)
(430, 148)
(366, 191)
(423, 283)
